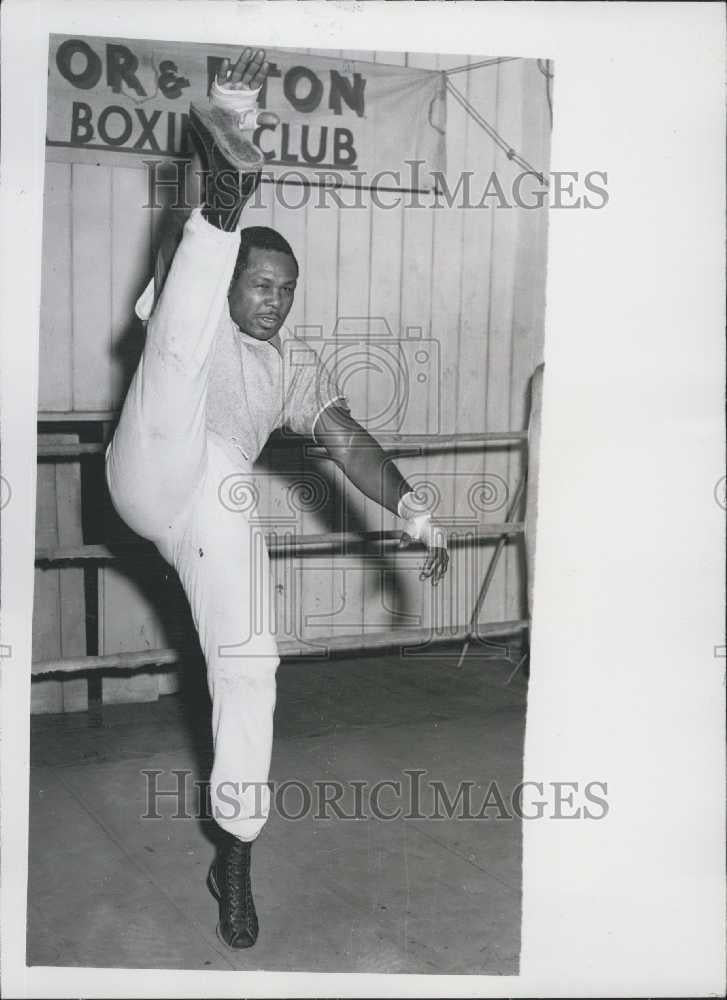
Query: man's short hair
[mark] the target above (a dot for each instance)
(262, 238)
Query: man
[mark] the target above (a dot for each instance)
(210, 388)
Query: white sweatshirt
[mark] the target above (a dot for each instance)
(257, 386)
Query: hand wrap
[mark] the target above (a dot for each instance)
(240, 102)
(418, 522)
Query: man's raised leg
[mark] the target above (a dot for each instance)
(159, 476)
(158, 453)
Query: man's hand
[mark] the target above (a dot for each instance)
(248, 74)
(223, 132)
(365, 463)
(418, 526)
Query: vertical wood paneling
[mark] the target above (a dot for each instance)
(384, 312)
(448, 262)
(528, 324)
(477, 498)
(127, 621)
(289, 217)
(350, 327)
(259, 212)
(55, 387)
(130, 252)
(424, 350)
(305, 587)
(473, 280)
(283, 476)
(59, 624)
(508, 122)
(46, 695)
(313, 579)
(91, 200)
(72, 597)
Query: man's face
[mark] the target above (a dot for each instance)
(261, 297)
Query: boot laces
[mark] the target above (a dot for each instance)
(236, 877)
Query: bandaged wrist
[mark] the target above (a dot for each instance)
(419, 525)
(415, 515)
(241, 102)
(411, 507)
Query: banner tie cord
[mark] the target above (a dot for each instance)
(477, 65)
(507, 149)
(548, 74)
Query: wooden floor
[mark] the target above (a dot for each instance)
(109, 888)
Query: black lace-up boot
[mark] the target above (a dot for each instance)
(229, 883)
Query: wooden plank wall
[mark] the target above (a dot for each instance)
(471, 280)
(59, 619)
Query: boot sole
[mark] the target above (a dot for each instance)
(214, 128)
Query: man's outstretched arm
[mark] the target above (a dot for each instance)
(369, 468)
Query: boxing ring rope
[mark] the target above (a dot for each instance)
(342, 543)
(292, 545)
(288, 648)
(410, 446)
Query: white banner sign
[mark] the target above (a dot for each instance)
(130, 96)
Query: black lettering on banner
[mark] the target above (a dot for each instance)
(320, 156)
(290, 84)
(121, 66)
(213, 68)
(267, 155)
(352, 93)
(186, 139)
(285, 155)
(147, 125)
(155, 130)
(344, 154)
(170, 132)
(123, 137)
(81, 127)
(273, 74)
(170, 83)
(213, 65)
(86, 78)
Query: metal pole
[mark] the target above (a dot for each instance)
(490, 573)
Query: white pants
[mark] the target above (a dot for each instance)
(169, 480)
